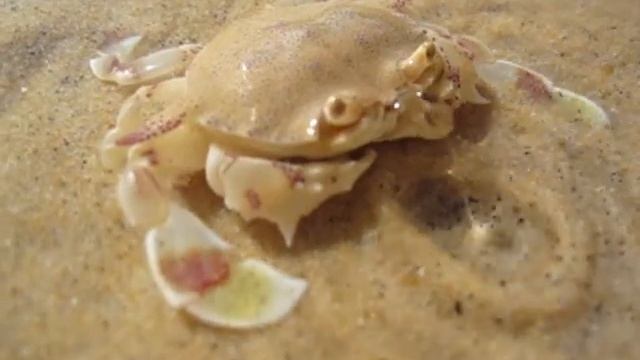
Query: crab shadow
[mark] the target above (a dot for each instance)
(410, 172)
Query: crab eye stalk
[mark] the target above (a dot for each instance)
(415, 65)
(342, 111)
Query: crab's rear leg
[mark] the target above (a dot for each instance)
(114, 64)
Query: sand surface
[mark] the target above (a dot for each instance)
(73, 278)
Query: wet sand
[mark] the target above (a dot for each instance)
(74, 282)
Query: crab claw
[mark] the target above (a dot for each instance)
(113, 64)
(285, 191)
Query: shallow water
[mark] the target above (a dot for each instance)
(392, 274)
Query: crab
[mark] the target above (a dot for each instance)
(289, 96)
(279, 109)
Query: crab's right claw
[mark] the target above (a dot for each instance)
(280, 191)
(196, 272)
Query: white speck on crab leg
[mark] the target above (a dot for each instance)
(163, 63)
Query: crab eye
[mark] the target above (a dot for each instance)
(342, 110)
(337, 107)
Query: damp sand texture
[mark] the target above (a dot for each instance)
(74, 282)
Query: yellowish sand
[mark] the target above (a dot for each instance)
(73, 279)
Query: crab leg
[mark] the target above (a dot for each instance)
(507, 77)
(124, 49)
(134, 113)
(158, 160)
(142, 197)
(114, 65)
(155, 147)
(155, 167)
(197, 271)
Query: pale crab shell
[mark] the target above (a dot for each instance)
(278, 191)
(151, 168)
(313, 81)
(260, 85)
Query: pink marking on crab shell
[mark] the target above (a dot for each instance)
(253, 199)
(535, 87)
(454, 76)
(150, 130)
